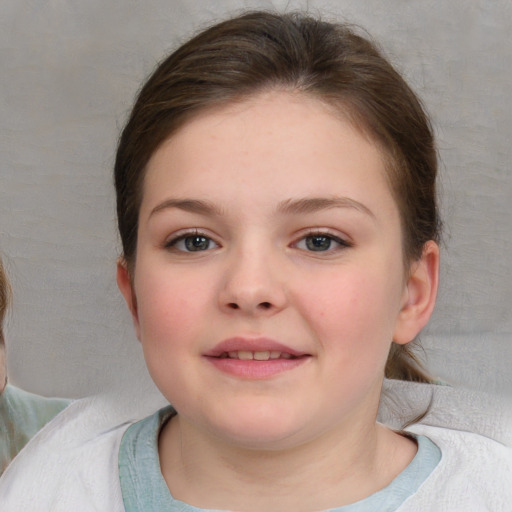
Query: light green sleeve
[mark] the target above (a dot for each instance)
(22, 415)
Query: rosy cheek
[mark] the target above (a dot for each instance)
(342, 310)
(162, 325)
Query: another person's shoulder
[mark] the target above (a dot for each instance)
(22, 415)
(72, 463)
(34, 410)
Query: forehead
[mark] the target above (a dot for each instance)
(277, 143)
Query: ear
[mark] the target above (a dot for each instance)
(125, 285)
(419, 295)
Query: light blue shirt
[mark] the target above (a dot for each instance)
(22, 415)
(144, 488)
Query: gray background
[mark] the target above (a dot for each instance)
(70, 69)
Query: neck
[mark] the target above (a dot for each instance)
(340, 467)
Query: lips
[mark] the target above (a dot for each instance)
(255, 358)
(261, 349)
(260, 355)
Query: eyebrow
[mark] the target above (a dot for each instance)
(314, 204)
(189, 205)
(289, 206)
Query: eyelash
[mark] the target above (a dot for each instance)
(312, 234)
(182, 237)
(341, 243)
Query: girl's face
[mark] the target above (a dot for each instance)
(269, 278)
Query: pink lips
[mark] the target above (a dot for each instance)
(254, 358)
(252, 345)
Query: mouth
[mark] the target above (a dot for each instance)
(259, 355)
(255, 349)
(255, 358)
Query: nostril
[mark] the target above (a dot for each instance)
(261, 306)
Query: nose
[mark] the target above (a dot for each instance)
(253, 284)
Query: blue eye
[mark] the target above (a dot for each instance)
(192, 243)
(318, 243)
(321, 242)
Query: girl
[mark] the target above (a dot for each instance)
(276, 204)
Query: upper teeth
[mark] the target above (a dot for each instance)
(263, 355)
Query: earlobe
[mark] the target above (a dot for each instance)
(125, 285)
(420, 295)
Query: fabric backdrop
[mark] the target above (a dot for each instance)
(70, 70)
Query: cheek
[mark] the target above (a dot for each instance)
(169, 307)
(352, 312)
(170, 311)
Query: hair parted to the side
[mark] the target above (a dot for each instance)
(261, 51)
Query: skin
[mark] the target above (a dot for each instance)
(265, 176)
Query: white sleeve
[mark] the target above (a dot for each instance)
(474, 475)
(71, 464)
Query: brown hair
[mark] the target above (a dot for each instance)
(332, 62)
(5, 297)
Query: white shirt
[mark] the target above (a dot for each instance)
(72, 464)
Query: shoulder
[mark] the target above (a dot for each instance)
(473, 431)
(142, 484)
(474, 473)
(22, 415)
(453, 408)
(71, 464)
(461, 446)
